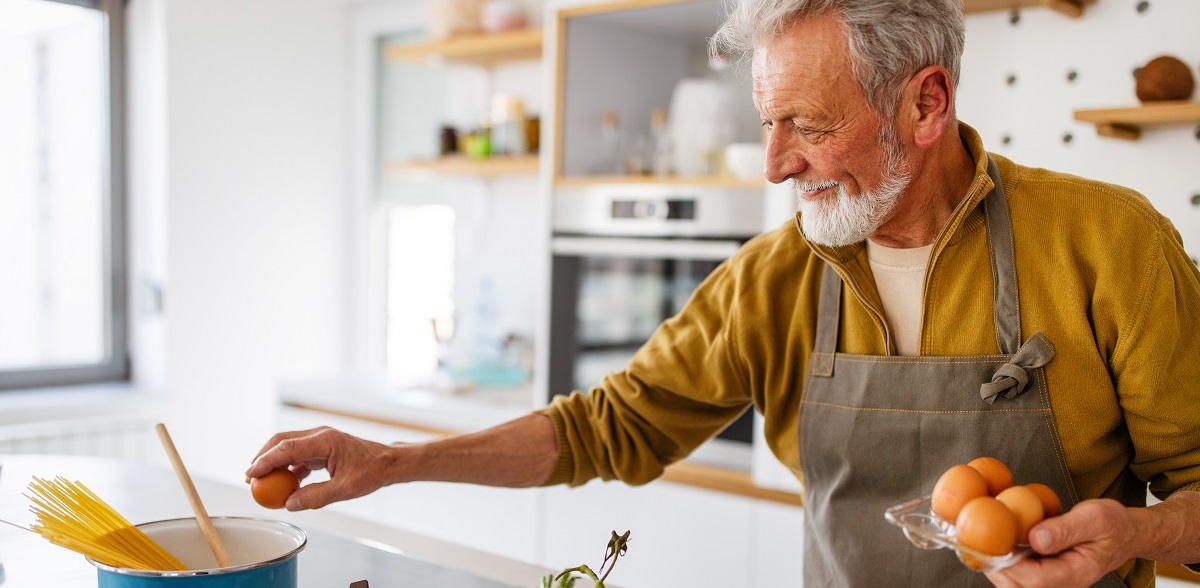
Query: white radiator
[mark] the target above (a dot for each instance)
(128, 438)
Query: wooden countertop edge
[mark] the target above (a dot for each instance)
(712, 478)
(726, 480)
(421, 428)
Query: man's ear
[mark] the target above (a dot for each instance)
(929, 105)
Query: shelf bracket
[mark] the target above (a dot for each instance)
(1118, 131)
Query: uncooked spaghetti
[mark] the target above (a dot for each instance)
(71, 516)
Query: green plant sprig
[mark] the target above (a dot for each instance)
(617, 546)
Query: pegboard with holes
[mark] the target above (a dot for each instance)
(1025, 72)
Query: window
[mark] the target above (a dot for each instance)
(421, 220)
(62, 298)
(420, 291)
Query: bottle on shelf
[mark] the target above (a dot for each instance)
(447, 141)
(508, 126)
(660, 144)
(610, 146)
(477, 143)
(533, 133)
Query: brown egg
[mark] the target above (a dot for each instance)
(1164, 78)
(987, 526)
(994, 472)
(1051, 505)
(955, 488)
(1026, 507)
(273, 489)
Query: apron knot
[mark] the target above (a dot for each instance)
(1013, 377)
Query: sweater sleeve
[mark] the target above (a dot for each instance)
(680, 389)
(1156, 367)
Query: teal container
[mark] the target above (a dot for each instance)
(262, 554)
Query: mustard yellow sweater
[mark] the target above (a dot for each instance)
(1100, 272)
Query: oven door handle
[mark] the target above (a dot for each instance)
(633, 247)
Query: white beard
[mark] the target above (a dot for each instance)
(848, 219)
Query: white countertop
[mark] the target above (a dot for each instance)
(426, 407)
(143, 492)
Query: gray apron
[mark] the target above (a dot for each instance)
(876, 431)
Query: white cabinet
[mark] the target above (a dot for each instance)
(777, 545)
(679, 536)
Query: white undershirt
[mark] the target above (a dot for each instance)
(900, 278)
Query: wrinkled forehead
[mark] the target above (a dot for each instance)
(808, 53)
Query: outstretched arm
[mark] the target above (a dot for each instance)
(517, 454)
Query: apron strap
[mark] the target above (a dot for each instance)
(1006, 303)
(825, 345)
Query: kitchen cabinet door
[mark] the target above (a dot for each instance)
(679, 536)
(777, 547)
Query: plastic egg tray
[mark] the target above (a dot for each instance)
(929, 531)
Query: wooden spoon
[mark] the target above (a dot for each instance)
(206, 525)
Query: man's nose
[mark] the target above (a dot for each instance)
(784, 157)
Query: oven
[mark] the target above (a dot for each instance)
(626, 257)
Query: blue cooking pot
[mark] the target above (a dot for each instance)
(262, 554)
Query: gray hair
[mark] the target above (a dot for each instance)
(889, 40)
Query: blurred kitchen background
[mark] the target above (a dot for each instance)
(410, 218)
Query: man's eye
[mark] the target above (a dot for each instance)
(766, 124)
(808, 133)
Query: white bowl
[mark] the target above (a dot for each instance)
(745, 160)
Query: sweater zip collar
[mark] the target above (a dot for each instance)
(840, 257)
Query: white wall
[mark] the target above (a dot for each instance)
(238, 171)
(1102, 48)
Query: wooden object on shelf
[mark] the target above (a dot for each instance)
(1127, 123)
(1071, 8)
(713, 181)
(481, 49)
(465, 166)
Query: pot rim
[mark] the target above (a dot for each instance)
(209, 571)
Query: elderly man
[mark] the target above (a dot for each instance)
(931, 304)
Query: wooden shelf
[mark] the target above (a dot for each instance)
(465, 166)
(715, 181)
(1072, 8)
(482, 49)
(1127, 123)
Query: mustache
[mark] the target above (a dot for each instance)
(813, 186)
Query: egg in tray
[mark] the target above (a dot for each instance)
(977, 510)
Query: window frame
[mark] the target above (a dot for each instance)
(116, 366)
